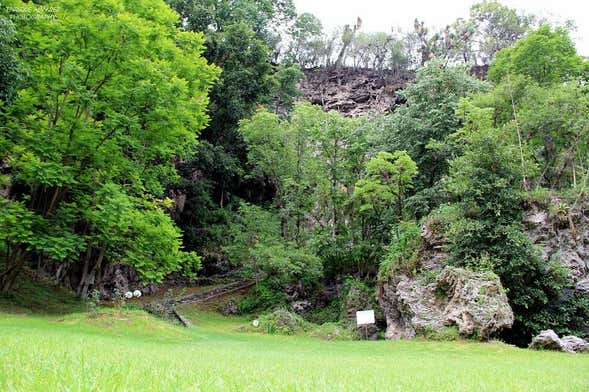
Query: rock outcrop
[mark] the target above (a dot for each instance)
(563, 237)
(354, 92)
(549, 340)
(473, 302)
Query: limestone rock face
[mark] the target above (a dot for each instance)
(354, 92)
(474, 302)
(563, 237)
(549, 340)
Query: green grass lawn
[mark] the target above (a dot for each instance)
(131, 351)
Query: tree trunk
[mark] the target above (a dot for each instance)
(84, 270)
(90, 279)
(14, 263)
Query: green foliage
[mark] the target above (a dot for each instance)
(264, 295)
(486, 234)
(554, 121)
(551, 120)
(566, 314)
(387, 180)
(447, 334)
(254, 242)
(498, 27)
(114, 96)
(546, 55)
(402, 253)
(250, 226)
(358, 295)
(10, 68)
(428, 115)
(242, 37)
(332, 332)
(93, 303)
(285, 264)
(305, 32)
(488, 175)
(329, 314)
(284, 90)
(282, 322)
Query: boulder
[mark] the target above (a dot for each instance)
(575, 344)
(230, 308)
(472, 301)
(301, 306)
(549, 340)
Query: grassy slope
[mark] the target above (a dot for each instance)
(132, 351)
(34, 294)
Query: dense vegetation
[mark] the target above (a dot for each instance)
(168, 137)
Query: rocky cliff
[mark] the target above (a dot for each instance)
(354, 92)
(562, 235)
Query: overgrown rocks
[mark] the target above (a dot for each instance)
(332, 332)
(354, 92)
(474, 302)
(549, 340)
(280, 322)
(230, 308)
(359, 297)
(562, 235)
(300, 307)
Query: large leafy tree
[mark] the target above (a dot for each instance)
(241, 38)
(540, 90)
(115, 93)
(546, 55)
(428, 115)
(498, 27)
(9, 64)
(387, 180)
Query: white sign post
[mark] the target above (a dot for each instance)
(365, 317)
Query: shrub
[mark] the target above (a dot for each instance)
(402, 254)
(332, 332)
(92, 303)
(447, 334)
(264, 295)
(282, 322)
(327, 314)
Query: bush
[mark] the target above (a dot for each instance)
(327, 314)
(264, 295)
(447, 334)
(281, 322)
(332, 332)
(344, 254)
(402, 254)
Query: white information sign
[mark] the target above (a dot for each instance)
(365, 317)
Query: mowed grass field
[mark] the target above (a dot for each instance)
(131, 351)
